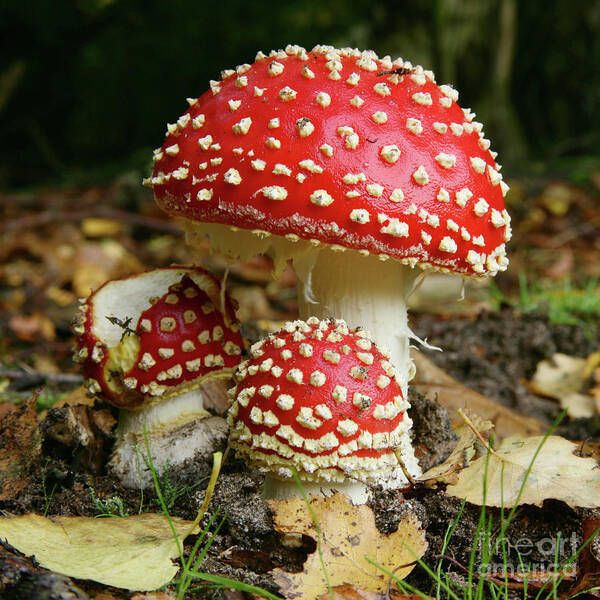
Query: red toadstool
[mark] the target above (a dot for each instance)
(355, 167)
(152, 344)
(323, 401)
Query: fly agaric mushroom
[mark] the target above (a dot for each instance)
(355, 167)
(156, 345)
(323, 401)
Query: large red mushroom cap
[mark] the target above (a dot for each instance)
(151, 336)
(343, 148)
(321, 400)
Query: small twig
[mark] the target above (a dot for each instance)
(52, 377)
(50, 216)
(390, 580)
(477, 576)
(478, 435)
(408, 476)
(579, 451)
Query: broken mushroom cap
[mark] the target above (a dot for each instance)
(356, 167)
(156, 345)
(150, 336)
(321, 400)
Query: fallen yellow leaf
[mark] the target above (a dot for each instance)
(556, 474)
(348, 537)
(133, 553)
(99, 227)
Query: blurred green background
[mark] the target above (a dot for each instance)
(87, 86)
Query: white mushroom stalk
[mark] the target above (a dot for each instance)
(178, 431)
(364, 292)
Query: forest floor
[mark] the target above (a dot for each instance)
(58, 244)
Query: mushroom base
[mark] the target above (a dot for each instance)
(179, 431)
(278, 489)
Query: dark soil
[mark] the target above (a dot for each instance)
(495, 352)
(490, 354)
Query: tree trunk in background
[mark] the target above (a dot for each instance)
(462, 28)
(497, 103)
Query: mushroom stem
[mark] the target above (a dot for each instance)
(179, 430)
(278, 489)
(366, 293)
(177, 410)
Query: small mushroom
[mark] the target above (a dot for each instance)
(358, 168)
(321, 400)
(157, 345)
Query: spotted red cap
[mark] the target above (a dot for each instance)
(155, 334)
(322, 400)
(340, 147)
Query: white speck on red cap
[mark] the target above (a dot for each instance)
(414, 126)
(287, 94)
(321, 198)
(275, 69)
(423, 98)
(420, 176)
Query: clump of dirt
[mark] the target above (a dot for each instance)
(494, 352)
(390, 507)
(581, 429)
(432, 434)
(238, 498)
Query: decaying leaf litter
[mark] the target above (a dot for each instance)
(53, 464)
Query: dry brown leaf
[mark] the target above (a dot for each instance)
(434, 382)
(215, 397)
(131, 552)
(447, 471)
(564, 377)
(59, 296)
(97, 262)
(557, 198)
(79, 395)
(81, 432)
(348, 537)
(89, 278)
(44, 363)
(5, 407)
(253, 303)
(19, 447)
(29, 328)
(557, 473)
